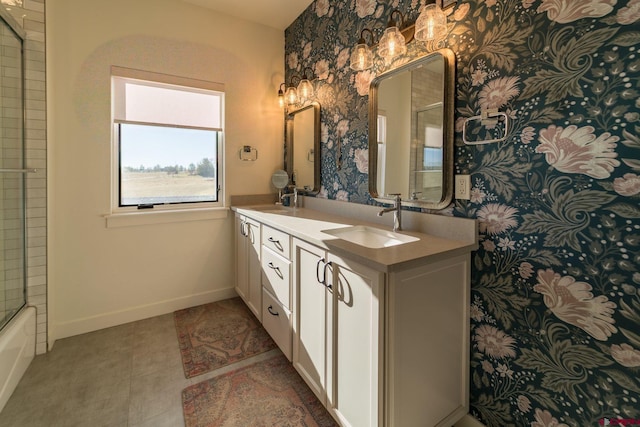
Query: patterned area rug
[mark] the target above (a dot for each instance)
(265, 394)
(217, 334)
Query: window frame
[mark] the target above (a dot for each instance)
(164, 81)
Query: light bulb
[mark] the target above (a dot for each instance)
(431, 25)
(392, 44)
(291, 95)
(305, 90)
(361, 58)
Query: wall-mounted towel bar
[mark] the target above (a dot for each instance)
(18, 170)
(487, 117)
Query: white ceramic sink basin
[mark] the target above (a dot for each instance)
(282, 210)
(370, 237)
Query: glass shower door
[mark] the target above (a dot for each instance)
(12, 176)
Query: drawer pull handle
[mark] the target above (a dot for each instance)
(329, 266)
(321, 281)
(276, 243)
(270, 308)
(276, 269)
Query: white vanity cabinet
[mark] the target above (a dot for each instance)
(381, 336)
(276, 287)
(382, 349)
(248, 279)
(336, 344)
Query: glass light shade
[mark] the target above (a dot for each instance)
(392, 44)
(361, 58)
(431, 24)
(305, 90)
(291, 95)
(281, 98)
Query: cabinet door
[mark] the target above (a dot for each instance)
(242, 274)
(354, 343)
(309, 316)
(428, 344)
(254, 285)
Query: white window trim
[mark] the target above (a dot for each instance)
(131, 215)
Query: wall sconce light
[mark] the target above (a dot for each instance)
(392, 43)
(305, 88)
(292, 96)
(281, 95)
(362, 57)
(431, 26)
(289, 96)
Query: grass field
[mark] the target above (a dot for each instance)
(160, 185)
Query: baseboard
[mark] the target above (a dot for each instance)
(132, 314)
(468, 421)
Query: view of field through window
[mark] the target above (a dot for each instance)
(160, 164)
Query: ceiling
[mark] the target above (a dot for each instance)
(277, 14)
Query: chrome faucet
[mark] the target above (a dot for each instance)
(397, 211)
(291, 196)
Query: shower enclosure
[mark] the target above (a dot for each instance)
(12, 176)
(17, 322)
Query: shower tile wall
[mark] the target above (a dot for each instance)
(32, 18)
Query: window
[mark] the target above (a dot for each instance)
(168, 141)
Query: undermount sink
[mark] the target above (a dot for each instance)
(275, 209)
(370, 237)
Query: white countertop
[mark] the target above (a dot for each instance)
(308, 224)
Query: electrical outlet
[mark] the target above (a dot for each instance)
(463, 187)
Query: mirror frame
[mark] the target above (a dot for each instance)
(290, 145)
(447, 125)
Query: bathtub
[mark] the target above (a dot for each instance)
(17, 350)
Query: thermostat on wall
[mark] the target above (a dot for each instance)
(248, 153)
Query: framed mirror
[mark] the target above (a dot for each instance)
(411, 130)
(302, 148)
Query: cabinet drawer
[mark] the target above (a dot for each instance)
(275, 275)
(277, 321)
(277, 241)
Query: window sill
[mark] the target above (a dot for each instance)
(128, 219)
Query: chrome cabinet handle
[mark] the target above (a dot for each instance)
(276, 269)
(251, 234)
(270, 309)
(243, 228)
(276, 243)
(328, 285)
(321, 281)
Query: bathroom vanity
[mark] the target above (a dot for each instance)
(376, 323)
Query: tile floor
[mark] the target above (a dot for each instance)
(126, 376)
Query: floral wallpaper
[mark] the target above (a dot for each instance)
(556, 281)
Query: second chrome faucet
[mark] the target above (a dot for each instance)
(397, 211)
(293, 196)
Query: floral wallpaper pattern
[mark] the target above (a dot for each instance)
(556, 281)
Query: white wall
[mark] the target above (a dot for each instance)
(102, 276)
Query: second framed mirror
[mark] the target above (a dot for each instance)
(302, 147)
(411, 132)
